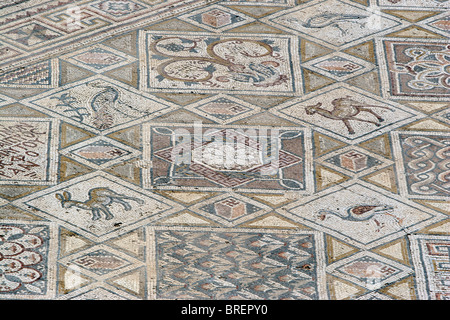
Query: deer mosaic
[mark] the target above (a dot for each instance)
(99, 199)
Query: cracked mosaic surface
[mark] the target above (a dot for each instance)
(268, 149)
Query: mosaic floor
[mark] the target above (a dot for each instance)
(190, 149)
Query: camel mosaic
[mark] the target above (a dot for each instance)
(346, 109)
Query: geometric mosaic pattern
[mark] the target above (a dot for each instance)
(251, 150)
(433, 252)
(244, 271)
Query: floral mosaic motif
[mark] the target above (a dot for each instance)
(419, 69)
(211, 62)
(23, 251)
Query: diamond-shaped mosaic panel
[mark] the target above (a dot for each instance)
(369, 270)
(442, 24)
(346, 112)
(98, 103)
(98, 58)
(339, 22)
(205, 61)
(231, 208)
(216, 18)
(362, 216)
(100, 262)
(95, 206)
(354, 160)
(100, 152)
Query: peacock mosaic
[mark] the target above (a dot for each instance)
(225, 149)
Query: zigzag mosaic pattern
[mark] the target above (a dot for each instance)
(97, 96)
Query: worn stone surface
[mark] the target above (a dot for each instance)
(273, 149)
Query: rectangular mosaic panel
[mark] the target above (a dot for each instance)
(25, 147)
(208, 157)
(418, 69)
(24, 254)
(432, 260)
(231, 264)
(424, 162)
